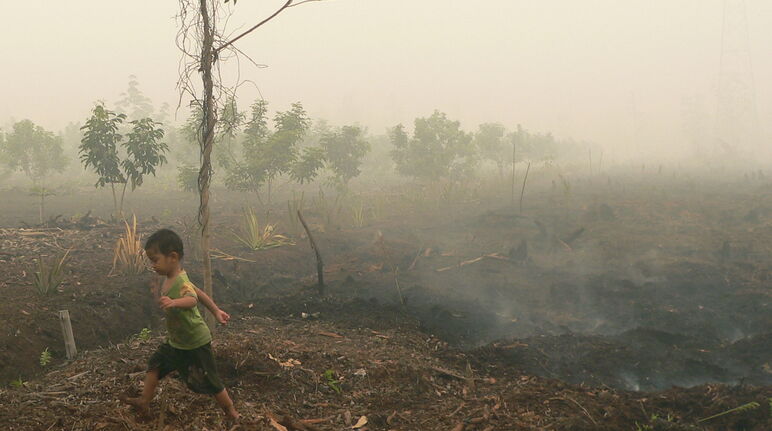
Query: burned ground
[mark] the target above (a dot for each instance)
(583, 311)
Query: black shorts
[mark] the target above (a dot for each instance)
(196, 367)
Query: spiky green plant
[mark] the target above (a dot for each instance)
(331, 381)
(50, 274)
(255, 237)
(45, 357)
(144, 334)
(358, 215)
(18, 383)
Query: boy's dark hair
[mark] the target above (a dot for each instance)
(166, 241)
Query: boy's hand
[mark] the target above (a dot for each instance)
(222, 317)
(166, 302)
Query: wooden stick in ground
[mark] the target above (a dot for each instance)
(69, 338)
(528, 169)
(319, 262)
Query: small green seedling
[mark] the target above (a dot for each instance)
(333, 383)
(143, 335)
(18, 383)
(45, 357)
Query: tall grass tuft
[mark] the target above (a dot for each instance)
(50, 274)
(129, 256)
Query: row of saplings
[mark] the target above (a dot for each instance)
(122, 151)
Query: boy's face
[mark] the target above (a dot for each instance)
(162, 264)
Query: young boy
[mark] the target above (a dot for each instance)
(188, 349)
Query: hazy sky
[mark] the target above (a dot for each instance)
(593, 69)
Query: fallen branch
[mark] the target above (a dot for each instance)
(415, 260)
(330, 334)
(447, 372)
(286, 423)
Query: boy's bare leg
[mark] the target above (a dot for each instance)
(225, 403)
(142, 403)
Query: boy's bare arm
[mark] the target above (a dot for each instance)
(208, 302)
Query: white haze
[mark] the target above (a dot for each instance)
(607, 71)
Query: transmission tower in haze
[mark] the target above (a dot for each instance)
(737, 124)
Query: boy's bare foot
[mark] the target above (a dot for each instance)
(233, 421)
(142, 407)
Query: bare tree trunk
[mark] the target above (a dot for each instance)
(207, 140)
(268, 205)
(514, 149)
(115, 200)
(42, 204)
(522, 191)
(120, 207)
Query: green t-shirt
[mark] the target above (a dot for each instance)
(187, 329)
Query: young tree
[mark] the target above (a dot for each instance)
(491, 144)
(133, 103)
(36, 152)
(229, 126)
(344, 150)
(249, 173)
(438, 149)
(144, 151)
(267, 154)
(102, 148)
(197, 37)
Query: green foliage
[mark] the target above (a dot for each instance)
(229, 124)
(143, 335)
(18, 383)
(344, 150)
(142, 148)
(133, 102)
(267, 154)
(36, 152)
(307, 165)
(438, 149)
(45, 357)
(491, 143)
(50, 274)
(331, 381)
(191, 130)
(358, 215)
(33, 150)
(99, 147)
(187, 178)
(255, 237)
